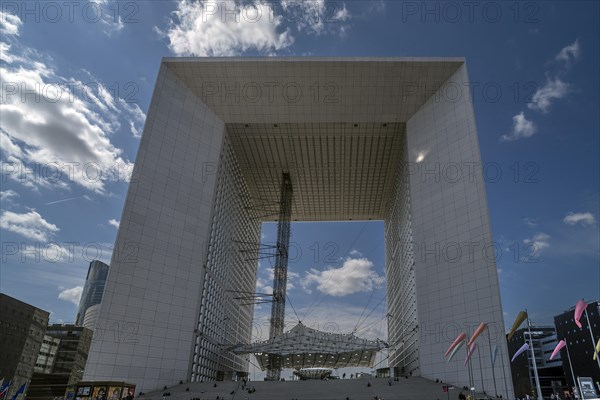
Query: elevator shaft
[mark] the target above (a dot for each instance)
(280, 273)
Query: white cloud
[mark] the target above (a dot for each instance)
(61, 122)
(110, 20)
(30, 225)
(355, 253)
(376, 6)
(586, 218)
(355, 275)
(522, 128)
(262, 286)
(538, 242)
(530, 222)
(9, 23)
(553, 90)
(205, 29)
(114, 222)
(7, 195)
(315, 16)
(73, 295)
(232, 27)
(570, 53)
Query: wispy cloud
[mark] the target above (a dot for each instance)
(7, 195)
(65, 127)
(64, 200)
(317, 17)
(30, 225)
(232, 27)
(584, 218)
(544, 97)
(569, 54)
(114, 222)
(522, 128)
(9, 23)
(538, 242)
(530, 222)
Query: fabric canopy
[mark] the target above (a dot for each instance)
(303, 347)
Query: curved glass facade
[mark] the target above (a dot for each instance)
(93, 289)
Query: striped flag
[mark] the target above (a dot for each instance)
(21, 390)
(4, 389)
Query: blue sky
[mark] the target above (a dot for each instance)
(77, 83)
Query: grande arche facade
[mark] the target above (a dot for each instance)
(390, 139)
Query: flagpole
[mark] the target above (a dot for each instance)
(592, 336)
(469, 369)
(535, 371)
(492, 361)
(480, 370)
(575, 383)
(504, 371)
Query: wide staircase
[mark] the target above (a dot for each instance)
(414, 388)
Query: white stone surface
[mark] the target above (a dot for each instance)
(146, 324)
(456, 276)
(346, 159)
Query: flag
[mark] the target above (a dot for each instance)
(559, 346)
(477, 332)
(458, 339)
(472, 349)
(21, 390)
(522, 316)
(495, 354)
(521, 350)
(455, 350)
(4, 389)
(579, 308)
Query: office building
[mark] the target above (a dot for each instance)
(22, 329)
(579, 343)
(390, 139)
(92, 291)
(69, 357)
(550, 372)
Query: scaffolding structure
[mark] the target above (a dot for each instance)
(280, 274)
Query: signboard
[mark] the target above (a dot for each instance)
(114, 393)
(588, 391)
(103, 390)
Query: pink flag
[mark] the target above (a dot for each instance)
(477, 332)
(458, 339)
(470, 353)
(455, 350)
(559, 346)
(522, 349)
(579, 308)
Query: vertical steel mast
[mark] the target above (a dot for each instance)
(280, 273)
